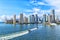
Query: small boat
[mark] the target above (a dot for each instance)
(53, 24)
(32, 29)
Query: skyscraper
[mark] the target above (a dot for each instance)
(36, 18)
(53, 13)
(57, 20)
(44, 18)
(14, 19)
(21, 18)
(25, 20)
(33, 18)
(30, 19)
(49, 20)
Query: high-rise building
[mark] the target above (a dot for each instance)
(33, 18)
(49, 20)
(21, 18)
(30, 19)
(53, 13)
(5, 20)
(14, 19)
(57, 20)
(36, 18)
(25, 20)
(44, 18)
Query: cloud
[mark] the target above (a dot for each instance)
(8, 17)
(36, 3)
(3, 17)
(33, 1)
(54, 3)
(42, 3)
(38, 11)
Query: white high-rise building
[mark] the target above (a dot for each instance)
(36, 18)
(53, 15)
(29, 19)
(21, 18)
(25, 20)
(33, 19)
(49, 20)
(14, 19)
(44, 18)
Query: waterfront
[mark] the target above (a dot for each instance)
(44, 32)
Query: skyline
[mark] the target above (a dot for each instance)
(11, 7)
(50, 18)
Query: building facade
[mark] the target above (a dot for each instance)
(14, 19)
(25, 20)
(21, 18)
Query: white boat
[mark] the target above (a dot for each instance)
(53, 24)
(32, 29)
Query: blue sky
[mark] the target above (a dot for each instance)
(11, 7)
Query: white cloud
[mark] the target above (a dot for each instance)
(33, 1)
(42, 3)
(36, 3)
(3, 17)
(38, 11)
(9, 17)
(54, 3)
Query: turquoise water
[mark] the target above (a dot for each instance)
(10, 28)
(44, 32)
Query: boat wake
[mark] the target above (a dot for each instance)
(33, 29)
(14, 35)
(17, 34)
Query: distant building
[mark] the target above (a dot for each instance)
(39, 20)
(53, 13)
(14, 19)
(49, 20)
(5, 19)
(36, 18)
(51, 17)
(25, 20)
(21, 18)
(57, 20)
(44, 18)
(33, 18)
(9, 21)
(30, 19)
